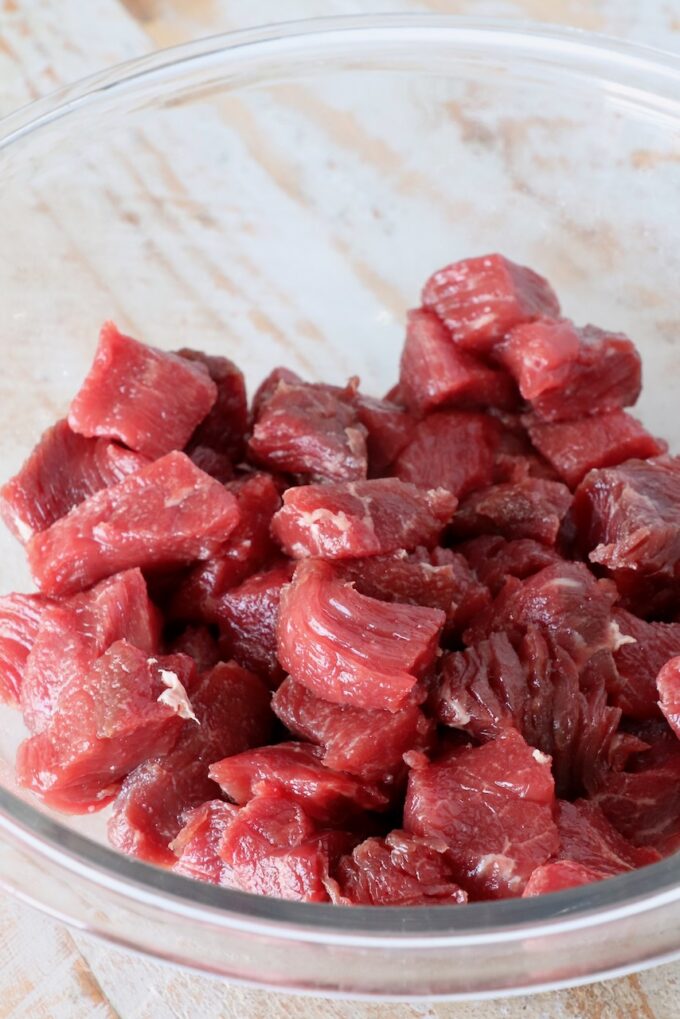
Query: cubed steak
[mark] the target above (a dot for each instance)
(398, 870)
(74, 632)
(350, 649)
(308, 429)
(480, 299)
(297, 771)
(668, 685)
(494, 559)
(435, 373)
(558, 876)
(20, 617)
(63, 469)
(197, 846)
(362, 518)
(128, 707)
(453, 450)
(224, 428)
(644, 648)
(389, 427)
(151, 400)
(230, 713)
(576, 447)
(531, 508)
(493, 807)
(168, 513)
(347, 734)
(628, 517)
(566, 372)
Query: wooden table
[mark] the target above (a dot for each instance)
(47, 971)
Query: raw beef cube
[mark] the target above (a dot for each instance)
(230, 713)
(350, 649)
(435, 373)
(312, 430)
(126, 708)
(198, 843)
(515, 458)
(224, 428)
(248, 548)
(248, 618)
(576, 447)
(295, 770)
(273, 848)
(150, 400)
(199, 643)
(453, 450)
(389, 427)
(567, 372)
(668, 685)
(362, 518)
(270, 384)
(563, 600)
(532, 508)
(559, 875)
(63, 469)
(168, 513)
(629, 516)
(644, 648)
(217, 465)
(587, 838)
(438, 578)
(481, 299)
(494, 559)
(492, 805)
(73, 633)
(20, 616)
(399, 870)
(643, 802)
(347, 734)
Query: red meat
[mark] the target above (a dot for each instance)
(311, 430)
(399, 870)
(628, 517)
(273, 848)
(167, 513)
(232, 713)
(347, 734)
(576, 447)
(295, 770)
(350, 649)
(248, 548)
(494, 559)
(150, 400)
(567, 372)
(480, 299)
(354, 519)
(435, 373)
(438, 578)
(248, 618)
(638, 661)
(224, 429)
(587, 838)
(198, 843)
(668, 685)
(63, 469)
(563, 600)
(492, 805)
(453, 450)
(389, 427)
(270, 384)
(558, 876)
(75, 632)
(199, 643)
(643, 802)
(532, 508)
(217, 465)
(20, 616)
(105, 723)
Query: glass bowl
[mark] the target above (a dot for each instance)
(279, 195)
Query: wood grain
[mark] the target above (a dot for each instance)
(48, 972)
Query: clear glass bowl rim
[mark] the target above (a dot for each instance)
(651, 79)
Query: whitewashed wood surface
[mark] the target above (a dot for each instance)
(47, 971)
